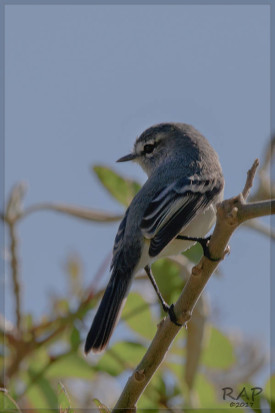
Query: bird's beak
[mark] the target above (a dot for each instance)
(127, 158)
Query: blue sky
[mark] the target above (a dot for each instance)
(82, 82)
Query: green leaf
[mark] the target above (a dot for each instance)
(205, 390)
(121, 356)
(7, 403)
(194, 253)
(41, 394)
(248, 394)
(63, 399)
(156, 392)
(70, 365)
(270, 385)
(130, 352)
(122, 189)
(101, 407)
(147, 405)
(219, 352)
(110, 364)
(138, 316)
(163, 270)
(75, 339)
(177, 369)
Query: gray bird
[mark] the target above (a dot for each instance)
(175, 207)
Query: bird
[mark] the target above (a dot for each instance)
(175, 207)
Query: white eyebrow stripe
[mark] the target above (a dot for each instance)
(139, 147)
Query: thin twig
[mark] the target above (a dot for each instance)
(258, 226)
(256, 210)
(250, 178)
(78, 212)
(15, 275)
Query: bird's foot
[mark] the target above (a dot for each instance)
(170, 310)
(204, 243)
(173, 316)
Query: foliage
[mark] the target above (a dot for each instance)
(41, 356)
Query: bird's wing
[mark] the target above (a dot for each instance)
(119, 240)
(174, 207)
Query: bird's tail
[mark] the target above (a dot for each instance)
(108, 312)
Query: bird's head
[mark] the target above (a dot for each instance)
(157, 143)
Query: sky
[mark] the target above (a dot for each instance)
(82, 82)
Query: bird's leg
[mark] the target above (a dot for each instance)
(166, 308)
(204, 243)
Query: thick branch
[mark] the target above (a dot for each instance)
(230, 214)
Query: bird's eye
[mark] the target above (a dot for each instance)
(148, 148)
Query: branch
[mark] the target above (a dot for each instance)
(258, 226)
(266, 187)
(14, 206)
(230, 214)
(15, 275)
(250, 177)
(76, 211)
